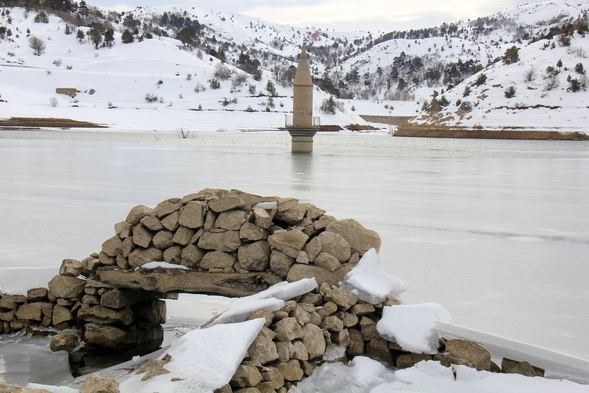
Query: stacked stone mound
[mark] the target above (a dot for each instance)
(232, 231)
(304, 334)
(228, 242)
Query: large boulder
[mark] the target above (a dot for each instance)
(467, 353)
(227, 241)
(66, 287)
(335, 245)
(359, 238)
(255, 256)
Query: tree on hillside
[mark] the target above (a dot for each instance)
(127, 37)
(187, 35)
(109, 37)
(511, 55)
(80, 36)
(37, 45)
(249, 65)
(41, 17)
(95, 33)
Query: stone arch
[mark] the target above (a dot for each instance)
(215, 241)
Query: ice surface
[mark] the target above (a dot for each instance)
(163, 265)
(203, 360)
(370, 282)
(447, 211)
(413, 326)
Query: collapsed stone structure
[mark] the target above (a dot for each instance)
(230, 243)
(224, 242)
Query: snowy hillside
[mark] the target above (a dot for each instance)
(196, 68)
(161, 76)
(544, 87)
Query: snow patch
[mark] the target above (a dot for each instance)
(370, 282)
(413, 326)
(202, 360)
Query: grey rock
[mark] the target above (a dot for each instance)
(223, 241)
(288, 329)
(280, 263)
(141, 236)
(172, 254)
(191, 215)
(246, 376)
(168, 206)
(255, 256)
(96, 383)
(70, 267)
(314, 341)
(139, 257)
(217, 261)
(152, 223)
(228, 202)
(359, 238)
(291, 371)
(289, 242)
(171, 221)
(65, 340)
(231, 220)
(37, 294)
(137, 213)
(60, 315)
(183, 236)
(327, 262)
(113, 246)
(105, 316)
(66, 287)
(250, 232)
(163, 239)
(262, 219)
(335, 244)
(467, 353)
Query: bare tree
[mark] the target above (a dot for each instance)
(37, 45)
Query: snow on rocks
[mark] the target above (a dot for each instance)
(201, 361)
(372, 284)
(413, 326)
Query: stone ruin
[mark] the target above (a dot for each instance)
(229, 243)
(226, 242)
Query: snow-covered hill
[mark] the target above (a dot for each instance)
(545, 88)
(172, 62)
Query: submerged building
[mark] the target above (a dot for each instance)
(304, 125)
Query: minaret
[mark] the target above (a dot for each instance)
(302, 101)
(302, 128)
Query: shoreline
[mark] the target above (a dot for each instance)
(472, 133)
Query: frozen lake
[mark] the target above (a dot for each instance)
(496, 231)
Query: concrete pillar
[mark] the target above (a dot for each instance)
(302, 141)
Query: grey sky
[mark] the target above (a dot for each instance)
(345, 15)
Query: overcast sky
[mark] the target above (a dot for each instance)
(345, 15)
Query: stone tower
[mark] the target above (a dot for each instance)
(302, 102)
(302, 128)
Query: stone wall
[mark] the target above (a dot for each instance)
(331, 324)
(227, 242)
